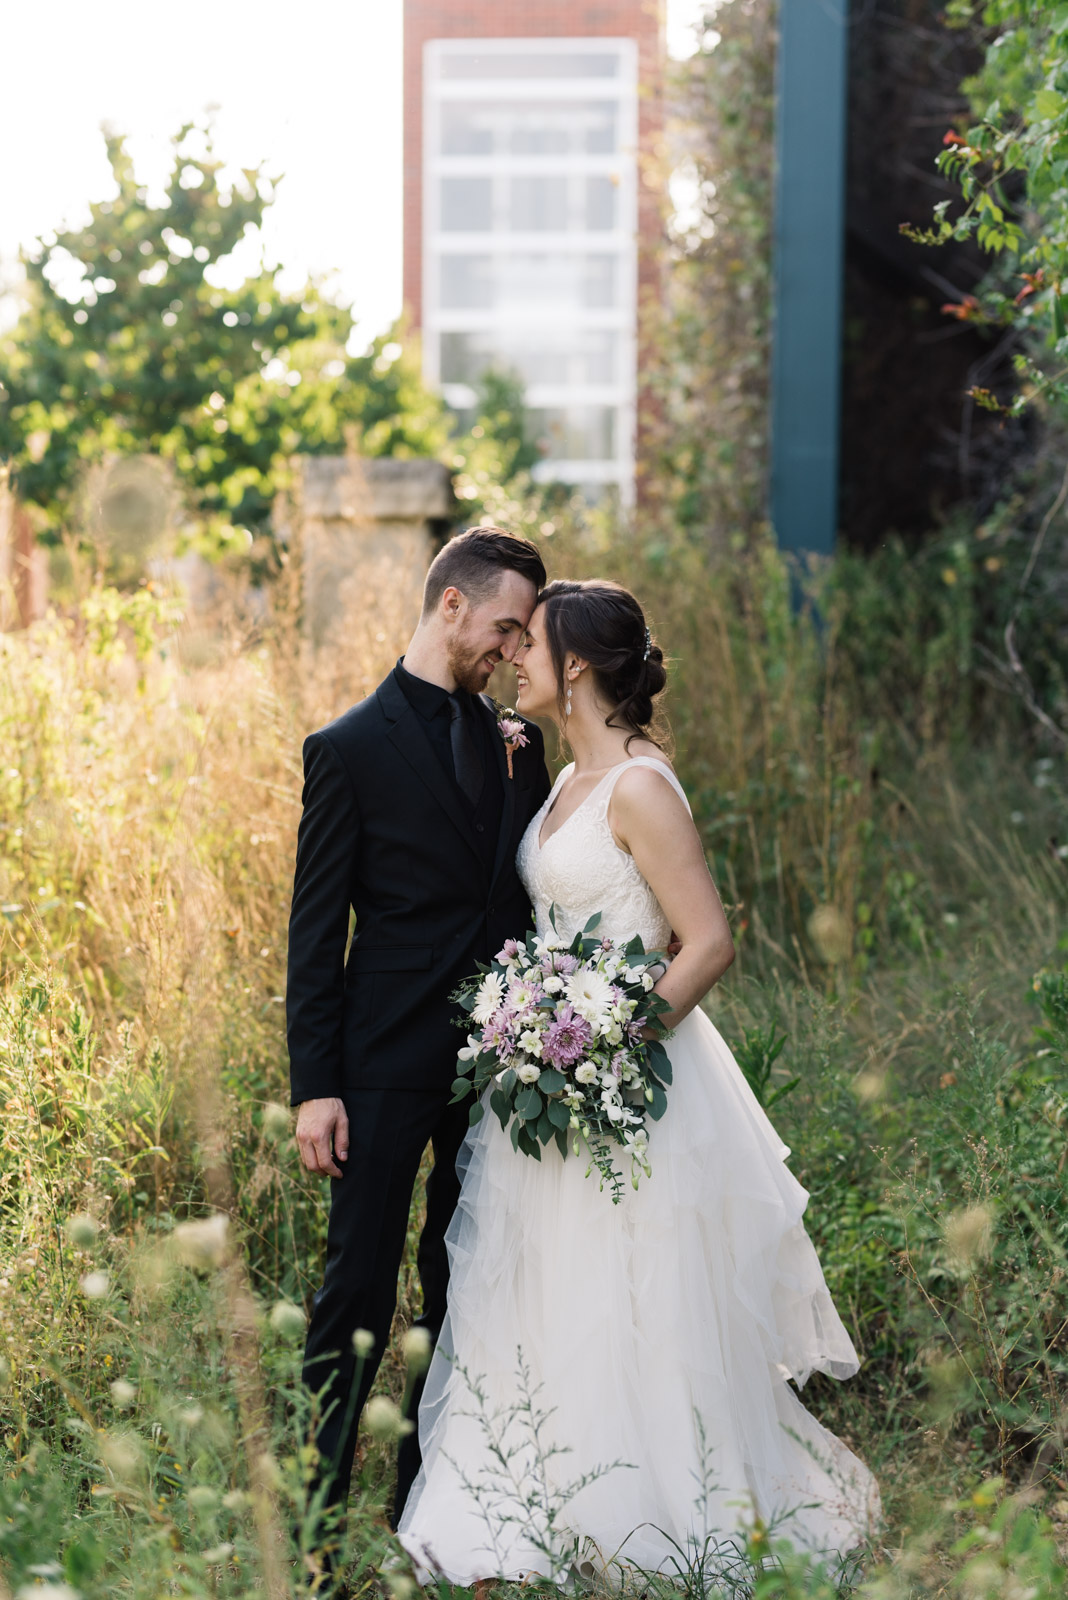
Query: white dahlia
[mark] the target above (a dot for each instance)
(488, 999)
(591, 995)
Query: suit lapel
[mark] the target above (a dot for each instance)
(406, 733)
(507, 787)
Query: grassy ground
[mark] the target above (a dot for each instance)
(890, 850)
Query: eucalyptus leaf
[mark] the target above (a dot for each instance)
(528, 1104)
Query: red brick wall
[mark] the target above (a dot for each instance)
(500, 19)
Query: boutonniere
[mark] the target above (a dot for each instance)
(510, 728)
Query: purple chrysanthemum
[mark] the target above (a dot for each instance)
(497, 1034)
(565, 1039)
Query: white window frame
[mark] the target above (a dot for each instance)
(621, 241)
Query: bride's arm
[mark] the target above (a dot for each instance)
(650, 820)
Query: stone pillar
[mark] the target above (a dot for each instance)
(363, 530)
(23, 564)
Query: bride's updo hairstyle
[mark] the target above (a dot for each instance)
(603, 624)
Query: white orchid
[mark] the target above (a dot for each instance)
(530, 1041)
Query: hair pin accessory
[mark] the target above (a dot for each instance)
(648, 645)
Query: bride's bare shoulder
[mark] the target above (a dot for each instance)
(640, 782)
(649, 752)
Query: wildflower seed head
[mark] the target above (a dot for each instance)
(831, 934)
(363, 1342)
(276, 1121)
(47, 1591)
(383, 1419)
(217, 1554)
(94, 1285)
(202, 1497)
(969, 1234)
(237, 1500)
(268, 1471)
(288, 1320)
(121, 1454)
(869, 1086)
(202, 1242)
(402, 1586)
(418, 1348)
(123, 1394)
(82, 1230)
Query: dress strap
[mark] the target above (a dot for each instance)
(610, 779)
(561, 778)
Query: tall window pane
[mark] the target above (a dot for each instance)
(466, 205)
(467, 283)
(600, 204)
(538, 204)
(575, 433)
(530, 64)
(528, 127)
(572, 356)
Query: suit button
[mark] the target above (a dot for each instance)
(480, 827)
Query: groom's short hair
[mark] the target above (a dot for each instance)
(474, 562)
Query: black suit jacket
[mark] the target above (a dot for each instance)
(386, 832)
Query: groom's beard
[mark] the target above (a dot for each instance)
(472, 672)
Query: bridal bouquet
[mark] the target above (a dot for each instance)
(557, 1032)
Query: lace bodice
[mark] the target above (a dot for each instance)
(582, 870)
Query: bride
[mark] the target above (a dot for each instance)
(611, 1386)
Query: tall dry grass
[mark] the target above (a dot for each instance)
(149, 796)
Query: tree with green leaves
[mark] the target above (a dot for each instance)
(1010, 166)
(130, 345)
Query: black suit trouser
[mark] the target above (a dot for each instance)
(369, 1208)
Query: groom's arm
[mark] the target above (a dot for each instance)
(319, 924)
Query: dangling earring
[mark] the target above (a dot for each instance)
(567, 709)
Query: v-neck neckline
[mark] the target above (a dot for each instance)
(543, 843)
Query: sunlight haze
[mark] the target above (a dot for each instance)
(311, 91)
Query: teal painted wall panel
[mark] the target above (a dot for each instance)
(809, 230)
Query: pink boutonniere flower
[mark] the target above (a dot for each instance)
(510, 728)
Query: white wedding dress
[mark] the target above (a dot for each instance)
(658, 1333)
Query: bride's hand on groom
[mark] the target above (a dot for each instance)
(323, 1135)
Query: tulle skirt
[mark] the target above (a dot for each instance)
(611, 1384)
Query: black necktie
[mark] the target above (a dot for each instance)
(465, 757)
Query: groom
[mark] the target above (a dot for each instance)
(411, 819)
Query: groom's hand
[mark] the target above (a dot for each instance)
(322, 1135)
